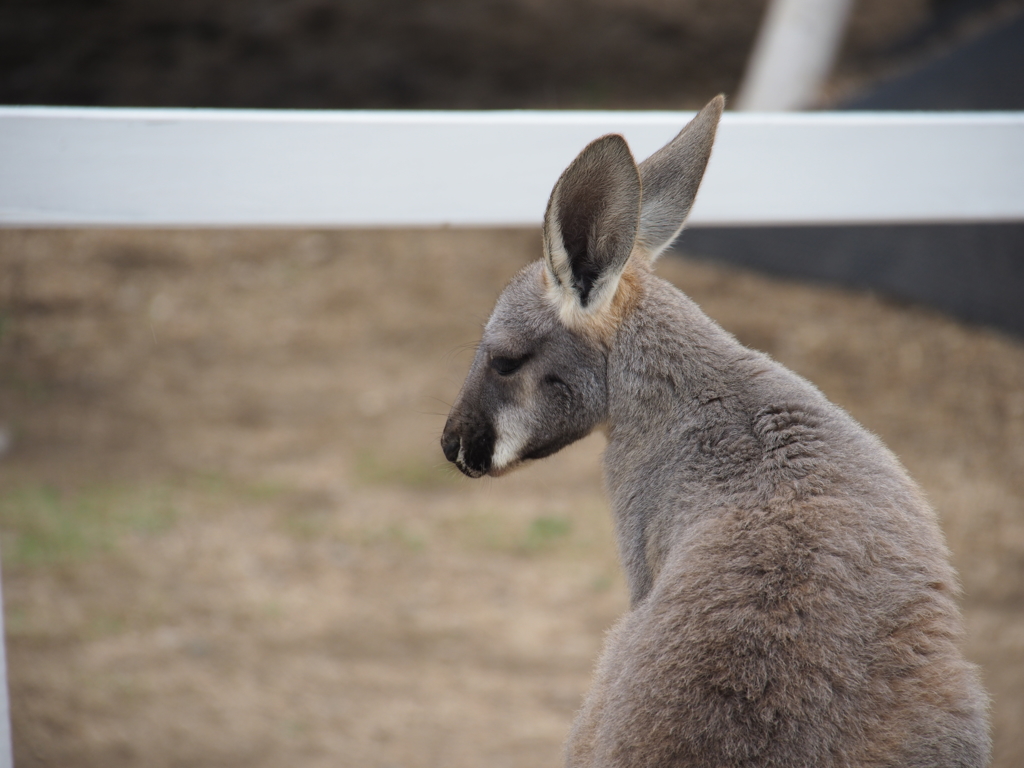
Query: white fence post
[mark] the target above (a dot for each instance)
(6, 745)
(793, 54)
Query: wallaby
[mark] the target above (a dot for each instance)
(791, 597)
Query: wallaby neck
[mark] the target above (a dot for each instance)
(683, 399)
(668, 360)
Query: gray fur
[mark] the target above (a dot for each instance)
(671, 177)
(791, 597)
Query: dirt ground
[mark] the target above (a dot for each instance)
(230, 538)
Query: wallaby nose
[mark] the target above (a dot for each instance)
(450, 444)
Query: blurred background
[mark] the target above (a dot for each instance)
(458, 54)
(229, 536)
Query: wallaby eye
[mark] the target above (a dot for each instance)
(506, 366)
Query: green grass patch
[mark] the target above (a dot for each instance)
(308, 525)
(545, 532)
(43, 525)
(394, 535)
(219, 488)
(406, 472)
(602, 582)
(495, 531)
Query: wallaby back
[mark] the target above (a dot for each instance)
(791, 597)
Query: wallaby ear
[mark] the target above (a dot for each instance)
(591, 223)
(671, 177)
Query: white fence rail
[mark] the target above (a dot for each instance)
(178, 167)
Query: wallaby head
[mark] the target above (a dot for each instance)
(538, 381)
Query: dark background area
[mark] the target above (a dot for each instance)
(373, 53)
(478, 54)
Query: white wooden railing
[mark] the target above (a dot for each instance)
(64, 167)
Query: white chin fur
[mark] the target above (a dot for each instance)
(513, 434)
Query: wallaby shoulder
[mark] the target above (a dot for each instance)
(699, 423)
(781, 565)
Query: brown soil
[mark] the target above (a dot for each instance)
(230, 537)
